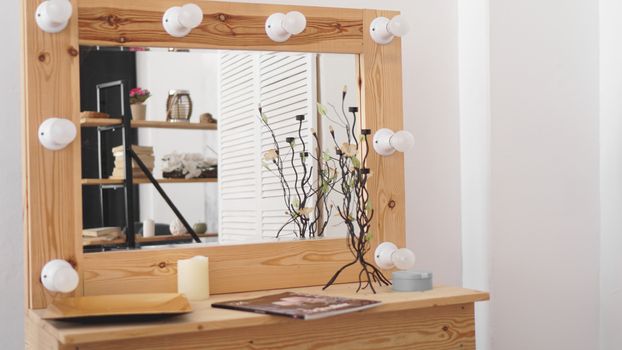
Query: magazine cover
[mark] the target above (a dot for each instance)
(299, 305)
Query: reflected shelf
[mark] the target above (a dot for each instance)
(141, 239)
(139, 181)
(95, 122)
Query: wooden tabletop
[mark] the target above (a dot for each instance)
(205, 318)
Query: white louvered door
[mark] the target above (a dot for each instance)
(238, 150)
(251, 197)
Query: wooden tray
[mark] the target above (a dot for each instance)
(118, 305)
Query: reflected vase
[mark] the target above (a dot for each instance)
(139, 111)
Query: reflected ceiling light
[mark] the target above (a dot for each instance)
(383, 30)
(179, 21)
(52, 16)
(388, 256)
(386, 142)
(280, 26)
(56, 133)
(59, 276)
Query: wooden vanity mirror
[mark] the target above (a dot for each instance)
(54, 181)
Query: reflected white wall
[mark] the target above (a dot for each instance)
(161, 71)
(334, 72)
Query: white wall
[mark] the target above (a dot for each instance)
(11, 238)
(474, 84)
(545, 174)
(611, 174)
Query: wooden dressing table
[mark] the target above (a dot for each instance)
(442, 318)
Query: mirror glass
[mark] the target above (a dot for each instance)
(243, 144)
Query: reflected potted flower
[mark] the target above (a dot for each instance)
(138, 96)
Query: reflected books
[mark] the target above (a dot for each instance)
(299, 305)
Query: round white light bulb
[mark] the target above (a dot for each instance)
(294, 22)
(66, 280)
(402, 141)
(62, 132)
(56, 133)
(383, 255)
(398, 26)
(403, 259)
(59, 11)
(59, 276)
(190, 16)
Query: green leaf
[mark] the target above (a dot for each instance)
(369, 236)
(295, 203)
(325, 156)
(321, 109)
(368, 207)
(356, 163)
(324, 187)
(264, 118)
(265, 165)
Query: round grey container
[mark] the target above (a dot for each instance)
(412, 281)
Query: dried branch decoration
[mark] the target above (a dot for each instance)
(303, 195)
(356, 208)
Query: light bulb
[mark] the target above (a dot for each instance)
(66, 280)
(294, 22)
(402, 141)
(403, 259)
(383, 30)
(190, 16)
(384, 255)
(398, 26)
(56, 133)
(62, 133)
(59, 11)
(52, 16)
(179, 21)
(281, 27)
(59, 276)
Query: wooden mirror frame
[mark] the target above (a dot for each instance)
(52, 179)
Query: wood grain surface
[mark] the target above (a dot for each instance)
(225, 25)
(38, 337)
(422, 305)
(383, 108)
(233, 268)
(52, 192)
(442, 328)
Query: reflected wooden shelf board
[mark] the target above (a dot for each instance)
(139, 181)
(141, 239)
(93, 122)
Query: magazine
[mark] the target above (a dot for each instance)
(299, 305)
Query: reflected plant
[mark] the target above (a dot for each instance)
(303, 195)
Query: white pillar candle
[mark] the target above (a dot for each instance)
(148, 228)
(193, 277)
